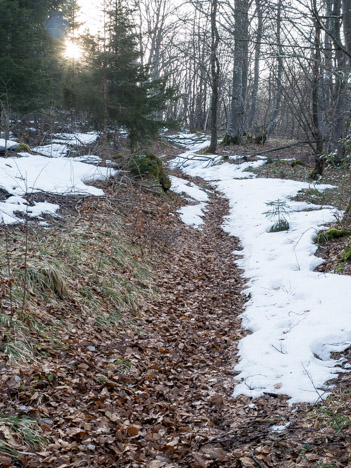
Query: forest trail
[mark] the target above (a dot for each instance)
(185, 405)
(197, 332)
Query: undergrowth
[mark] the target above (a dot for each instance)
(86, 271)
(92, 264)
(18, 431)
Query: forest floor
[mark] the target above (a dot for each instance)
(143, 377)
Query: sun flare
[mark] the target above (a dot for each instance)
(72, 50)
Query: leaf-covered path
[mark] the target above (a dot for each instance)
(182, 406)
(197, 328)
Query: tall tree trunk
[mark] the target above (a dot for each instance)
(214, 76)
(235, 124)
(340, 87)
(105, 94)
(105, 123)
(346, 16)
(316, 131)
(279, 76)
(254, 95)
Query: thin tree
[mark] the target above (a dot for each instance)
(214, 76)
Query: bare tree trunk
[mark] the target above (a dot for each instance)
(105, 123)
(105, 97)
(316, 132)
(214, 76)
(259, 32)
(346, 15)
(340, 87)
(235, 124)
(279, 90)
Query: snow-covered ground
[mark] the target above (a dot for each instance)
(192, 215)
(7, 144)
(63, 142)
(50, 172)
(296, 317)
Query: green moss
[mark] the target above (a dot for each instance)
(261, 139)
(347, 254)
(229, 140)
(330, 234)
(23, 147)
(148, 165)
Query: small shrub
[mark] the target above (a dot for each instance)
(278, 211)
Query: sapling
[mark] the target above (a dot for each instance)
(278, 210)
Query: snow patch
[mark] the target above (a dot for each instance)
(192, 215)
(30, 174)
(8, 144)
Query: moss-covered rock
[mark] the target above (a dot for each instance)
(330, 234)
(148, 165)
(23, 148)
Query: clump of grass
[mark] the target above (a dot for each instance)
(7, 449)
(24, 429)
(47, 278)
(333, 418)
(92, 264)
(18, 348)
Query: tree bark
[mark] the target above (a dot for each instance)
(235, 124)
(254, 95)
(316, 131)
(279, 76)
(346, 15)
(340, 87)
(214, 76)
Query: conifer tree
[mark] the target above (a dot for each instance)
(30, 34)
(120, 90)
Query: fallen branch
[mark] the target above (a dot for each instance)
(261, 465)
(257, 153)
